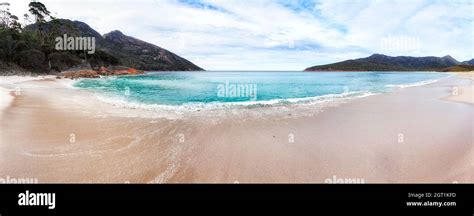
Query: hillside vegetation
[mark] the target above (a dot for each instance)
(32, 47)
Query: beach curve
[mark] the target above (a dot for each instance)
(229, 148)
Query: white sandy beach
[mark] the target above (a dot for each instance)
(416, 134)
(7, 88)
(5, 98)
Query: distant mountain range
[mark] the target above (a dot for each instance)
(379, 62)
(470, 62)
(113, 48)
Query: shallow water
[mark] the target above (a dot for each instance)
(249, 88)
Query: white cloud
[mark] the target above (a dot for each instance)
(269, 35)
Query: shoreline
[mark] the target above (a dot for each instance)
(7, 84)
(324, 100)
(463, 93)
(5, 99)
(36, 140)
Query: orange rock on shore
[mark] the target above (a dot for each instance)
(129, 71)
(103, 71)
(135, 71)
(81, 74)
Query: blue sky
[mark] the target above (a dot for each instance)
(282, 34)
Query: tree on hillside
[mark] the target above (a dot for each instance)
(7, 20)
(40, 13)
(10, 30)
(4, 14)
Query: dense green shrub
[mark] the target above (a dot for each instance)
(60, 61)
(32, 59)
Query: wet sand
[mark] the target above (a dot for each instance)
(463, 93)
(417, 134)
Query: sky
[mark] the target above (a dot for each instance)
(281, 34)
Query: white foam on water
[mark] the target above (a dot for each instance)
(421, 83)
(68, 83)
(18, 79)
(193, 107)
(134, 108)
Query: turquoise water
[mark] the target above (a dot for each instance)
(185, 88)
